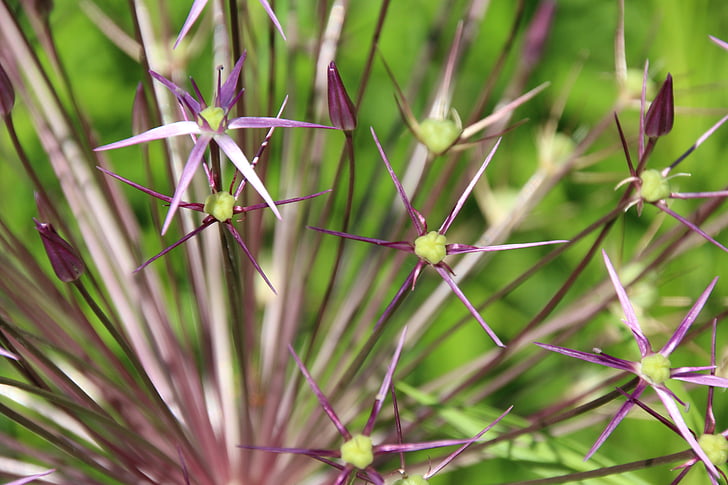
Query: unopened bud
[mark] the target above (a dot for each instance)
(341, 109)
(661, 115)
(7, 94)
(66, 262)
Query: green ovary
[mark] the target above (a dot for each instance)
(412, 480)
(358, 451)
(220, 205)
(213, 115)
(715, 446)
(654, 186)
(431, 247)
(655, 368)
(438, 135)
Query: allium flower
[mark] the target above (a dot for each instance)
(211, 123)
(431, 246)
(653, 370)
(358, 451)
(220, 207)
(651, 185)
(196, 10)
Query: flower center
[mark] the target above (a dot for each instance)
(715, 446)
(438, 135)
(654, 186)
(431, 247)
(655, 368)
(358, 451)
(411, 480)
(213, 116)
(220, 205)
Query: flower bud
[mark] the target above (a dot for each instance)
(7, 94)
(341, 110)
(64, 259)
(660, 116)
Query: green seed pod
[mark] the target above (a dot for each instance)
(431, 247)
(716, 447)
(439, 135)
(412, 480)
(655, 368)
(655, 187)
(220, 205)
(358, 451)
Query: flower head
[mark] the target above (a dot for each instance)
(431, 247)
(211, 123)
(654, 368)
(651, 185)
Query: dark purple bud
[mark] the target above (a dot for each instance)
(538, 32)
(7, 94)
(661, 115)
(341, 109)
(64, 259)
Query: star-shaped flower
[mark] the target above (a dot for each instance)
(199, 5)
(220, 207)
(358, 452)
(653, 370)
(211, 123)
(431, 247)
(653, 186)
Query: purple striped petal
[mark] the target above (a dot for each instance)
(621, 413)
(688, 320)
(601, 359)
(269, 122)
(165, 131)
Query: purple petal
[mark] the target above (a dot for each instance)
(679, 421)
(448, 279)
(272, 17)
(247, 252)
(661, 114)
(193, 162)
(601, 359)
(721, 43)
(238, 209)
(621, 413)
(690, 225)
(183, 97)
(268, 122)
(408, 282)
(7, 354)
(312, 452)
(30, 478)
(702, 379)
(466, 248)
(323, 400)
(228, 91)
(195, 12)
(688, 320)
(235, 154)
(417, 221)
(699, 195)
(401, 245)
(697, 143)
(206, 223)
(461, 201)
(631, 318)
(386, 383)
(165, 131)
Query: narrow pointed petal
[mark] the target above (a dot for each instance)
(698, 142)
(401, 245)
(272, 16)
(456, 248)
(247, 252)
(9, 355)
(701, 379)
(679, 421)
(688, 320)
(183, 97)
(238, 209)
(228, 91)
(690, 225)
(28, 479)
(193, 162)
(719, 42)
(165, 131)
(235, 154)
(195, 12)
(625, 148)
(631, 318)
(466, 193)
(270, 122)
(699, 195)
(312, 452)
(448, 279)
(621, 413)
(397, 299)
(384, 388)
(206, 223)
(601, 359)
(323, 400)
(421, 229)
